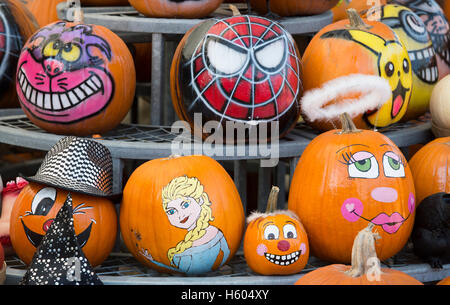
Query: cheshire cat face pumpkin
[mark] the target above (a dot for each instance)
(95, 221)
(359, 46)
(346, 179)
(70, 79)
(414, 36)
(437, 26)
(242, 69)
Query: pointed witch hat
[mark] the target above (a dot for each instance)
(58, 259)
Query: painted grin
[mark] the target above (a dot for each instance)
(424, 68)
(59, 101)
(399, 97)
(283, 260)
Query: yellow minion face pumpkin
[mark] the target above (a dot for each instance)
(414, 36)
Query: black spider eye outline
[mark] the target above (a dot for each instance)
(271, 55)
(224, 57)
(43, 201)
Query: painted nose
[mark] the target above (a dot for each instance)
(53, 67)
(283, 245)
(384, 194)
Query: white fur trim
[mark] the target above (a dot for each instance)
(375, 91)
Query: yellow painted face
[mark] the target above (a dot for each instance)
(413, 34)
(393, 65)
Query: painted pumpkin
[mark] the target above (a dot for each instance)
(430, 167)
(359, 46)
(95, 221)
(438, 28)
(43, 17)
(440, 107)
(197, 215)
(353, 177)
(365, 267)
(71, 79)
(241, 69)
(17, 24)
(361, 6)
(176, 8)
(275, 242)
(293, 7)
(414, 36)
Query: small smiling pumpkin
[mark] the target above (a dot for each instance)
(358, 46)
(346, 179)
(95, 221)
(275, 242)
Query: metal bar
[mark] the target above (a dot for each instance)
(157, 78)
(264, 185)
(240, 179)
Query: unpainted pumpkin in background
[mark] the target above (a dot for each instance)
(359, 46)
(440, 108)
(414, 36)
(361, 6)
(104, 2)
(17, 24)
(430, 167)
(75, 78)
(346, 179)
(197, 218)
(44, 11)
(293, 7)
(2, 266)
(275, 242)
(95, 221)
(176, 9)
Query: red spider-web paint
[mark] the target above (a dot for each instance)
(255, 92)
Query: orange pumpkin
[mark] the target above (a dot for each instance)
(197, 219)
(345, 179)
(176, 9)
(75, 78)
(95, 221)
(16, 26)
(430, 167)
(362, 47)
(275, 242)
(43, 17)
(361, 6)
(293, 7)
(364, 270)
(104, 3)
(445, 281)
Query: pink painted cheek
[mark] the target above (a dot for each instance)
(411, 203)
(303, 248)
(261, 249)
(351, 209)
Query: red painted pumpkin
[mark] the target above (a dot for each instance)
(346, 179)
(438, 27)
(362, 47)
(176, 9)
(275, 242)
(95, 221)
(233, 73)
(293, 7)
(17, 24)
(75, 79)
(197, 215)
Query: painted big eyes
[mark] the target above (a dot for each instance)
(405, 66)
(70, 52)
(43, 201)
(225, 57)
(413, 26)
(271, 232)
(270, 55)
(389, 69)
(393, 166)
(363, 165)
(185, 204)
(51, 49)
(170, 212)
(289, 231)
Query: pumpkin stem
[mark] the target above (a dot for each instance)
(174, 156)
(356, 22)
(234, 9)
(273, 199)
(78, 15)
(364, 255)
(347, 124)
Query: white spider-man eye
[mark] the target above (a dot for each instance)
(224, 56)
(271, 55)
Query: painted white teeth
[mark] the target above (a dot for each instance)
(61, 100)
(283, 260)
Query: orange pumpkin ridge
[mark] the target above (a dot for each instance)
(293, 7)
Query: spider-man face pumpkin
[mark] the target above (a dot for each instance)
(242, 69)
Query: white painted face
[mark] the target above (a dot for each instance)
(183, 212)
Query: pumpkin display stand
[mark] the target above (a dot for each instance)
(137, 142)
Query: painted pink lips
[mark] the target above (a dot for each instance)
(391, 223)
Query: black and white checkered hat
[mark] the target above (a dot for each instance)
(77, 164)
